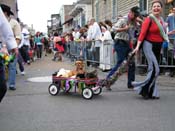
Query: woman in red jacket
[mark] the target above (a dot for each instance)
(151, 36)
(58, 45)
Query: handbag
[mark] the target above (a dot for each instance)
(165, 44)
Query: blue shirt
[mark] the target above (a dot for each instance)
(171, 25)
(37, 40)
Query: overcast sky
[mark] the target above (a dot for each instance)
(37, 12)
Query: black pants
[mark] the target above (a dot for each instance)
(39, 51)
(3, 87)
(24, 53)
(131, 72)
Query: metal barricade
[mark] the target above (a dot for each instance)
(166, 59)
(107, 55)
(96, 53)
(99, 53)
(75, 49)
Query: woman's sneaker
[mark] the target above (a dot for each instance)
(23, 73)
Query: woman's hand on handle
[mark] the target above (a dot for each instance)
(136, 50)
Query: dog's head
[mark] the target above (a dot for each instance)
(79, 65)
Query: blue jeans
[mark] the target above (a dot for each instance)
(3, 87)
(12, 73)
(131, 72)
(20, 62)
(39, 51)
(24, 53)
(122, 48)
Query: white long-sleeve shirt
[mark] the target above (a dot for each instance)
(106, 35)
(25, 37)
(6, 33)
(22, 41)
(96, 32)
(89, 33)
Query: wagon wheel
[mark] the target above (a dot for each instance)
(54, 89)
(97, 91)
(87, 93)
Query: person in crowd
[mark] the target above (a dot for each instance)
(122, 40)
(73, 33)
(69, 40)
(25, 44)
(83, 33)
(83, 36)
(32, 44)
(151, 37)
(38, 44)
(7, 41)
(171, 28)
(94, 34)
(109, 27)
(89, 50)
(106, 48)
(58, 47)
(63, 40)
(21, 64)
(20, 59)
(17, 34)
(32, 50)
(45, 41)
(77, 34)
(77, 48)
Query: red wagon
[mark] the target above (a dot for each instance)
(87, 87)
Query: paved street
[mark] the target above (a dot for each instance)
(32, 108)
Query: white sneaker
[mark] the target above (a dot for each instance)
(28, 62)
(23, 73)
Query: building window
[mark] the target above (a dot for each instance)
(114, 10)
(97, 10)
(143, 6)
(83, 19)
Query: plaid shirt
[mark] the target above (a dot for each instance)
(123, 35)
